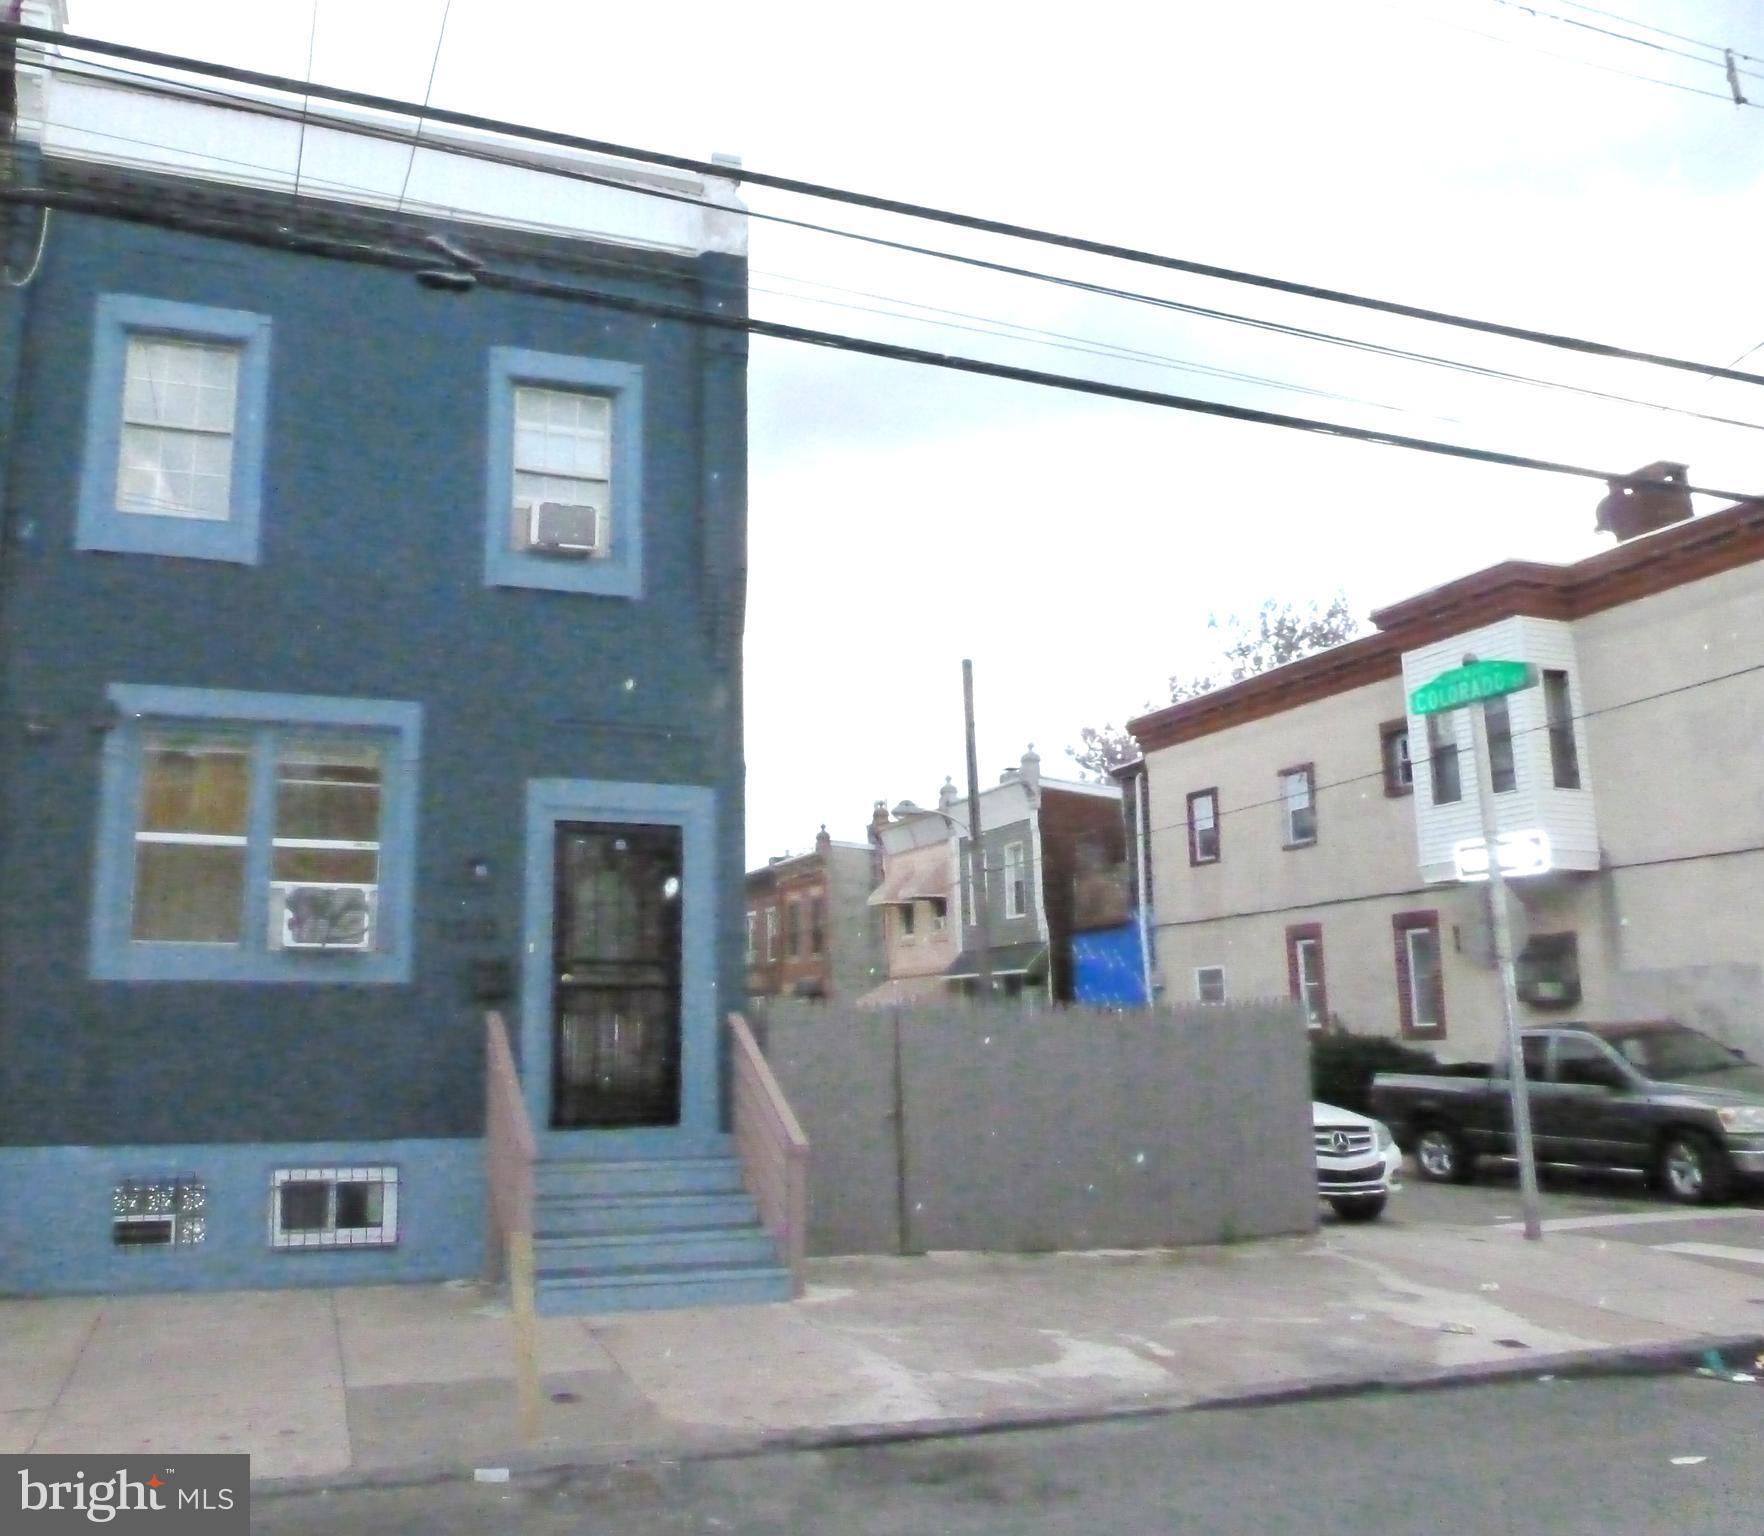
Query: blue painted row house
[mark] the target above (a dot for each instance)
(369, 659)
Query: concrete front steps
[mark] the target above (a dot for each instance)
(615, 1236)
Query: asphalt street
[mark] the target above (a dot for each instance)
(1605, 1457)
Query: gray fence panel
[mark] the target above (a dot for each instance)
(1047, 1129)
(837, 1071)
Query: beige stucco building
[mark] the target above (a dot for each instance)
(1306, 835)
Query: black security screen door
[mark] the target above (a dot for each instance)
(616, 947)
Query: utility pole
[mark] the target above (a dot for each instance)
(1518, 1094)
(976, 857)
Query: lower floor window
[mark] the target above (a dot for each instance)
(244, 837)
(1209, 984)
(334, 1208)
(1304, 972)
(159, 1213)
(1419, 973)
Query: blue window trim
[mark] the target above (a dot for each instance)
(99, 524)
(693, 809)
(621, 573)
(115, 956)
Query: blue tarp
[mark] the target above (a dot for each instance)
(1107, 968)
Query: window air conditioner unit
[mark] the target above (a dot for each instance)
(322, 916)
(570, 529)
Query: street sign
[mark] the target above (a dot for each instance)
(1472, 682)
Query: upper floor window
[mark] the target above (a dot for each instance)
(256, 838)
(1442, 760)
(1016, 880)
(771, 933)
(752, 937)
(1203, 826)
(965, 880)
(1559, 709)
(564, 471)
(174, 430)
(1399, 770)
(1298, 805)
(1502, 773)
(818, 926)
(1209, 984)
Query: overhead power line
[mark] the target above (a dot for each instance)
(1645, 26)
(1624, 37)
(287, 85)
(931, 313)
(1577, 60)
(156, 85)
(284, 238)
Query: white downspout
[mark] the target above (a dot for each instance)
(1140, 810)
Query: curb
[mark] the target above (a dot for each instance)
(1581, 1364)
(1615, 1361)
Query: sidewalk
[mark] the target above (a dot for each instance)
(388, 1383)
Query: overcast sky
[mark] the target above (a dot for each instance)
(1461, 154)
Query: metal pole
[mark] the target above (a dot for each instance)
(1517, 1090)
(976, 859)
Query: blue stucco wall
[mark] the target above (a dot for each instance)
(370, 583)
(55, 1217)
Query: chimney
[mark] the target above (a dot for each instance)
(823, 843)
(878, 820)
(1032, 770)
(1629, 510)
(947, 796)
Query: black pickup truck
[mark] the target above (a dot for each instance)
(1656, 1098)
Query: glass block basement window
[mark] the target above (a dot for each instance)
(159, 1213)
(334, 1208)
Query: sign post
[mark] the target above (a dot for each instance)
(1476, 682)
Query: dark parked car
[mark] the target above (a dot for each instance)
(1656, 1097)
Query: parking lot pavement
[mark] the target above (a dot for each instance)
(1609, 1207)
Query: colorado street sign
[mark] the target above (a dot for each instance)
(1470, 683)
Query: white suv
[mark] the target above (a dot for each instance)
(1357, 1161)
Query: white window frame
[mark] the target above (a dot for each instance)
(332, 1237)
(1410, 934)
(1016, 860)
(752, 937)
(771, 933)
(588, 489)
(1200, 984)
(1313, 992)
(1291, 805)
